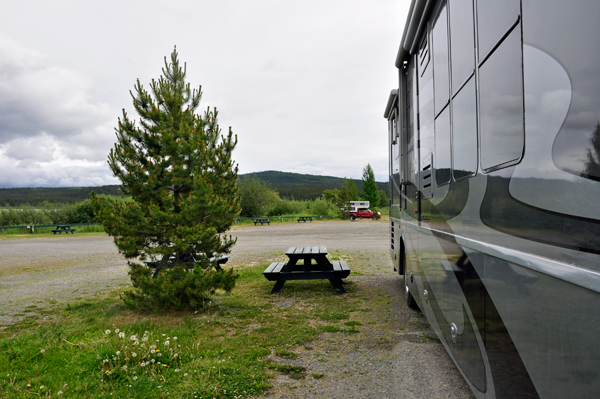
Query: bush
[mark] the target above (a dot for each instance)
(176, 288)
(321, 207)
(287, 207)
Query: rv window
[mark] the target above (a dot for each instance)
(494, 19)
(462, 39)
(442, 148)
(501, 102)
(464, 131)
(440, 61)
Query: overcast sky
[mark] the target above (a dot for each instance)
(303, 84)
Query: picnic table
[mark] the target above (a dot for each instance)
(305, 219)
(63, 228)
(189, 260)
(261, 221)
(314, 265)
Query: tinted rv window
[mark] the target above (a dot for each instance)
(440, 61)
(464, 131)
(494, 19)
(442, 148)
(462, 41)
(501, 102)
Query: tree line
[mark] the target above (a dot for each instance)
(259, 198)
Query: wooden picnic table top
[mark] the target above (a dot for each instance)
(314, 250)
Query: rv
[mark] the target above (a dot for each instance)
(494, 148)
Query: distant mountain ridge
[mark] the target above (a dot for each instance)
(303, 187)
(288, 185)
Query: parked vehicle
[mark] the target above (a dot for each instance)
(494, 143)
(360, 210)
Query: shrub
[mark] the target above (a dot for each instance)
(176, 288)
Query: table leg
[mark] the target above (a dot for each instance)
(337, 284)
(278, 286)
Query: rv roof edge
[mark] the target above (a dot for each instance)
(391, 101)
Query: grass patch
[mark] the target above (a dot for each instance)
(295, 372)
(101, 349)
(286, 354)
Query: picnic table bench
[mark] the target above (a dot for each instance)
(305, 219)
(63, 228)
(261, 221)
(321, 268)
(168, 262)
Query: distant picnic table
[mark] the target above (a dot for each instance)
(261, 221)
(63, 228)
(189, 260)
(305, 219)
(322, 268)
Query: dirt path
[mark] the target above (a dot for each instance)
(396, 354)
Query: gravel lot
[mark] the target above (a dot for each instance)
(395, 355)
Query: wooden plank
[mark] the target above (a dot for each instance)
(278, 268)
(268, 270)
(307, 276)
(290, 250)
(314, 250)
(323, 250)
(344, 265)
(336, 265)
(299, 250)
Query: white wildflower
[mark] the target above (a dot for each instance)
(133, 354)
(59, 393)
(135, 378)
(42, 387)
(167, 343)
(116, 330)
(107, 332)
(118, 353)
(122, 335)
(185, 374)
(43, 350)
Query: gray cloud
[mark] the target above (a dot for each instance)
(305, 82)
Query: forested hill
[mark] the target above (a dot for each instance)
(53, 195)
(289, 185)
(302, 187)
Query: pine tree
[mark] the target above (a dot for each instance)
(369, 186)
(178, 170)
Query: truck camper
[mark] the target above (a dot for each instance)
(494, 148)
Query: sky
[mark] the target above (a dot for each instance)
(303, 84)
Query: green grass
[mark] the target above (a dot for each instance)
(44, 232)
(220, 352)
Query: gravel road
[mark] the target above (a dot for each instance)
(395, 355)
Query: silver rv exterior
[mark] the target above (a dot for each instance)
(494, 145)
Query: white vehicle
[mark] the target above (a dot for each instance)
(354, 206)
